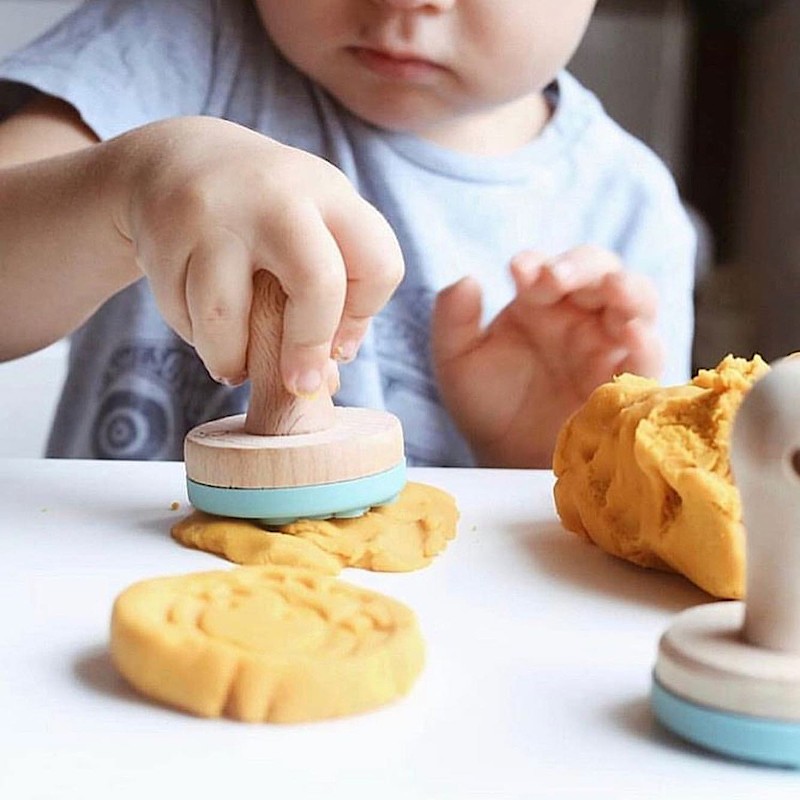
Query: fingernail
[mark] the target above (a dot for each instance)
(307, 383)
(345, 351)
(525, 269)
(563, 270)
(231, 382)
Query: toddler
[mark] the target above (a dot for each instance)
(464, 237)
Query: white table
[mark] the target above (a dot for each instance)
(539, 656)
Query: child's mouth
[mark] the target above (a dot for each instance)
(397, 66)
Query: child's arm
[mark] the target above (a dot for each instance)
(50, 226)
(196, 205)
(576, 321)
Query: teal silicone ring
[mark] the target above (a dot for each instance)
(748, 738)
(278, 506)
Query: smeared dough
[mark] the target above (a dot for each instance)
(272, 644)
(644, 472)
(244, 542)
(399, 537)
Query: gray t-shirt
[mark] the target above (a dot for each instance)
(134, 388)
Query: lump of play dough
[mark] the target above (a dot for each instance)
(272, 644)
(399, 537)
(643, 471)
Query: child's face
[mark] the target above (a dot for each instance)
(417, 65)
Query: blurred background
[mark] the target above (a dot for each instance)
(711, 85)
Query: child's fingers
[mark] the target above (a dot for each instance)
(165, 269)
(645, 351)
(374, 265)
(306, 260)
(218, 291)
(456, 323)
(582, 268)
(622, 297)
(525, 267)
(588, 262)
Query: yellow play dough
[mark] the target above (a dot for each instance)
(273, 644)
(399, 537)
(643, 471)
(244, 542)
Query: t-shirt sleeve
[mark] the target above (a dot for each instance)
(121, 64)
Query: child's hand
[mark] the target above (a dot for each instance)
(205, 203)
(576, 321)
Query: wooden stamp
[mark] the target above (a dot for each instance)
(727, 675)
(291, 457)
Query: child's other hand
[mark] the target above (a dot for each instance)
(205, 203)
(576, 321)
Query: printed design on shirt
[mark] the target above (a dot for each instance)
(130, 425)
(152, 394)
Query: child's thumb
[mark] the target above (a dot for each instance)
(456, 323)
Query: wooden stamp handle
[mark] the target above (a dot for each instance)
(274, 411)
(765, 457)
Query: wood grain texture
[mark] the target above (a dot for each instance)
(361, 442)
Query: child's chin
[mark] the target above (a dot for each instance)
(396, 112)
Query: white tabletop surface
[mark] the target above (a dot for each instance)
(539, 652)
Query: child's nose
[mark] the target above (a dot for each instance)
(412, 5)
